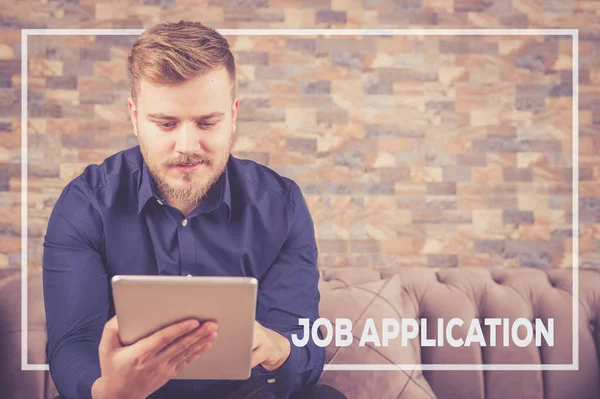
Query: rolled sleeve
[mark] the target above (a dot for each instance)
(289, 292)
(289, 378)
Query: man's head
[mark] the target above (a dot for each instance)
(183, 106)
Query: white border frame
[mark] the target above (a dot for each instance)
(574, 33)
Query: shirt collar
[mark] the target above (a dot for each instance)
(219, 193)
(226, 193)
(146, 190)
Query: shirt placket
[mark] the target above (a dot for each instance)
(186, 247)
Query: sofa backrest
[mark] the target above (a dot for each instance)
(470, 293)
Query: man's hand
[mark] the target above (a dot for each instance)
(137, 370)
(270, 349)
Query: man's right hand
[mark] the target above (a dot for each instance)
(137, 370)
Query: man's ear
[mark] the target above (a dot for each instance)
(133, 114)
(234, 109)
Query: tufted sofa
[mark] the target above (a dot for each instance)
(358, 294)
(467, 294)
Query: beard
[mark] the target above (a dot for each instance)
(191, 187)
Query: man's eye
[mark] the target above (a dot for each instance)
(206, 124)
(166, 125)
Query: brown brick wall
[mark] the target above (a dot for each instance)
(432, 151)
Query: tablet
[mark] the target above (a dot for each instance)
(145, 304)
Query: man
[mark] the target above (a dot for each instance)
(179, 204)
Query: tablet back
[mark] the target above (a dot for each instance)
(145, 304)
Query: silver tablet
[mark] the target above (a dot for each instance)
(145, 304)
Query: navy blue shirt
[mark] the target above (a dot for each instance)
(111, 220)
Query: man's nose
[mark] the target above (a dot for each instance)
(187, 139)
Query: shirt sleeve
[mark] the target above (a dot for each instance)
(288, 292)
(76, 295)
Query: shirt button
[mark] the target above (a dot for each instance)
(159, 202)
(271, 380)
(184, 223)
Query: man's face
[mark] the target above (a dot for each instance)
(186, 133)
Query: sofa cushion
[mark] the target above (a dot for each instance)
(375, 299)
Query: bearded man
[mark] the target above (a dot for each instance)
(180, 204)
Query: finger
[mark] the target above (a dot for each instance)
(203, 349)
(110, 335)
(191, 350)
(184, 343)
(162, 338)
(259, 355)
(185, 361)
(258, 337)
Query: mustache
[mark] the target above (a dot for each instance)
(187, 160)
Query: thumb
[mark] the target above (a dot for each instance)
(110, 335)
(259, 356)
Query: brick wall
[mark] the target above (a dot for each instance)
(431, 151)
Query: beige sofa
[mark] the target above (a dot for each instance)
(416, 293)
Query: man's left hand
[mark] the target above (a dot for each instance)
(270, 349)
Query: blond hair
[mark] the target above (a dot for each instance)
(172, 53)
